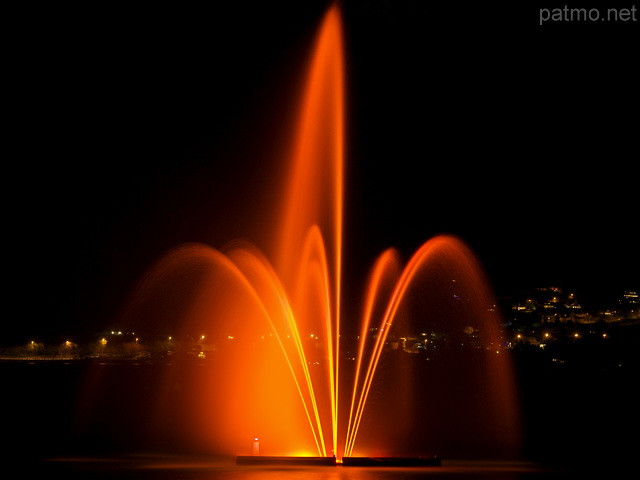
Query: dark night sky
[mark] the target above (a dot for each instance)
(133, 130)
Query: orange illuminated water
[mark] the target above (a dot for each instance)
(270, 328)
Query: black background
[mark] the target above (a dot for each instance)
(130, 130)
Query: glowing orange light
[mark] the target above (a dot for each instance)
(269, 386)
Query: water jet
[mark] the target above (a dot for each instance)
(279, 366)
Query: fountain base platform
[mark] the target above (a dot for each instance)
(266, 460)
(294, 461)
(391, 461)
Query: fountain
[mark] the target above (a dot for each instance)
(279, 361)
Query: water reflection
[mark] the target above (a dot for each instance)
(183, 468)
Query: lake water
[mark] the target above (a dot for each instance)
(143, 467)
(588, 420)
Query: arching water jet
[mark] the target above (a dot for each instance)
(271, 331)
